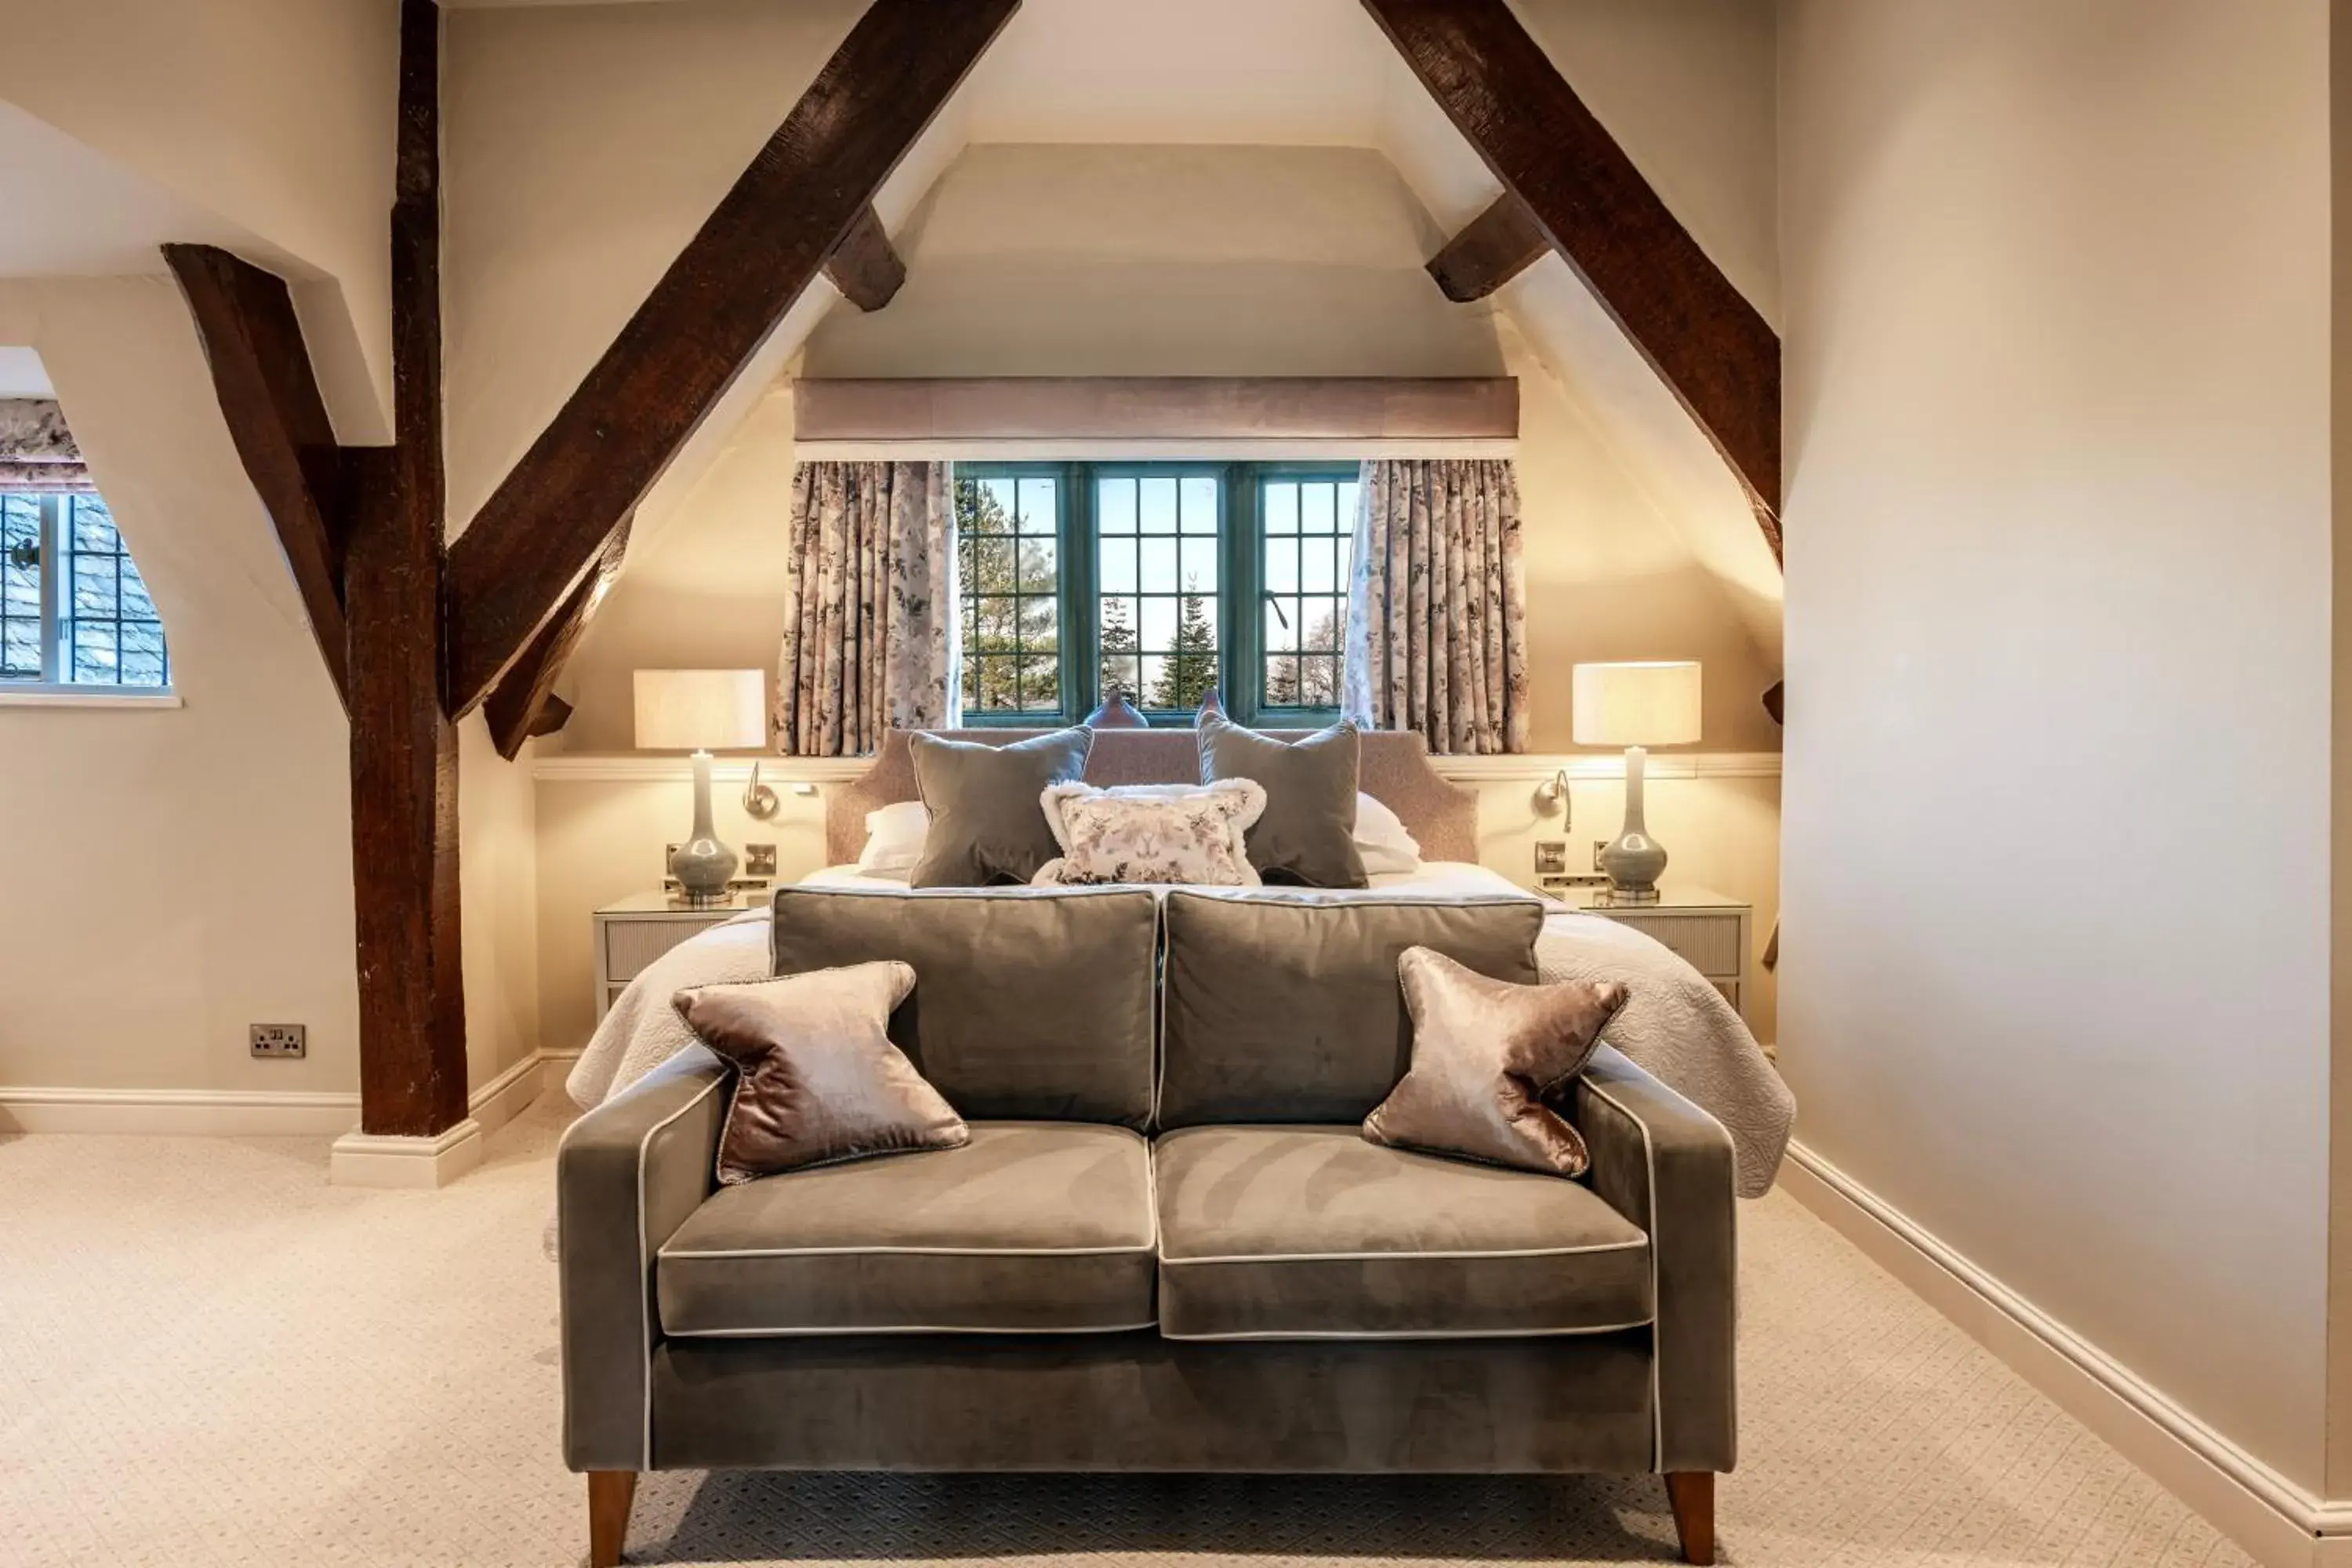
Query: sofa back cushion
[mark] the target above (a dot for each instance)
(1287, 1008)
(1029, 1003)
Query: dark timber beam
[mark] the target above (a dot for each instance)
(761, 247)
(522, 702)
(262, 372)
(1721, 358)
(404, 750)
(1493, 248)
(864, 266)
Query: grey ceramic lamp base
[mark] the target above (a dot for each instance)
(1635, 861)
(702, 865)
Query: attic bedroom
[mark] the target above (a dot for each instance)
(919, 780)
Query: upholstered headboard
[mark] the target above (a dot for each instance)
(1395, 770)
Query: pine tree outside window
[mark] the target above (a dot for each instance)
(1159, 581)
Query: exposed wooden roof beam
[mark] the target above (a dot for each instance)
(760, 248)
(864, 266)
(1492, 249)
(412, 992)
(526, 695)
(262, 372)
(1709, 344)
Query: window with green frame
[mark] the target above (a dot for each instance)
(1158, 579)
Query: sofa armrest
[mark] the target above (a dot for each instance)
(1668, 1166)
(627, 1175)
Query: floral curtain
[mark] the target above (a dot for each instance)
(1437, 636)
(36, 451)
(869, 619)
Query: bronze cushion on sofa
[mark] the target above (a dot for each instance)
(1030, 1227)
(1285, 1007)
(1312, 1233)
(1027, 1003)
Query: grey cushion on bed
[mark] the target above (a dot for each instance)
(1028, 1002)
(1306, 833)
(1285, 1007)
(986, 823)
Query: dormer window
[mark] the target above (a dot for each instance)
(74, 612)
(74, 615)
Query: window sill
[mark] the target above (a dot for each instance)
(32, 694)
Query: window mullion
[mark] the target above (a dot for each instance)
(1081, 602)
(1238, 677)
(54, 567)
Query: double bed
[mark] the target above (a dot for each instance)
(1676, 1025)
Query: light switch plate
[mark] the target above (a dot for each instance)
(758, 860)
(1551, 857)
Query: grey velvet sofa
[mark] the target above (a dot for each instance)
(1167, 1246)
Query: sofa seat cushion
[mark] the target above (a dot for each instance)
(1271, 1233)
(1032, 1227)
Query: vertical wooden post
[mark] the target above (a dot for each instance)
(404, 747)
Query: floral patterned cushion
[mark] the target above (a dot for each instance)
(1153, 832)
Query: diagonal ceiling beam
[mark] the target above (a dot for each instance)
(865, 265)
(1493, 248)
(262, 372)
(1709, 344)
(761, 247)
(519, 704)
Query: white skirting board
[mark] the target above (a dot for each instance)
(2275, 1520)
(206, 1113)
(187, 1111)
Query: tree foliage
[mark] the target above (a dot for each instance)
(1190, 670)
(1011, 642)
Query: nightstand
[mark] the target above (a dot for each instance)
(1711, 932)
(632, 932)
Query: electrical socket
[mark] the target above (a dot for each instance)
(287, 1040)
(758, 860)
(1551, 857)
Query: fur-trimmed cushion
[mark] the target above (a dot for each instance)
(1153, 832)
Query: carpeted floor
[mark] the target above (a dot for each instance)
(209, 1356)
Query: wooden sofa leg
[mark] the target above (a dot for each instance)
(1692, 1494)
(610, 1493)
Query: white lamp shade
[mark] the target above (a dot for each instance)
(699, 709)
(1653, 703)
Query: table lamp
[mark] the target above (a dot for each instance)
(698, 709)
(1652, 703)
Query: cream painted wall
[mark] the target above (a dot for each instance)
(278, 115)
(583, 146)
(2339, 1252)
(1686, 88)
(2056, 922)
(174, 876)
(187, 872)
(497, 877)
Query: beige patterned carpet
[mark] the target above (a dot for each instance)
(209, 1356)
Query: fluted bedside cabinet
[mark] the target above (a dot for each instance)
(632, 932)
(1713, 934)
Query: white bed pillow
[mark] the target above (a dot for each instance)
(895, 834)
(894, 838)
(1193, 835)
(1382, 841)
